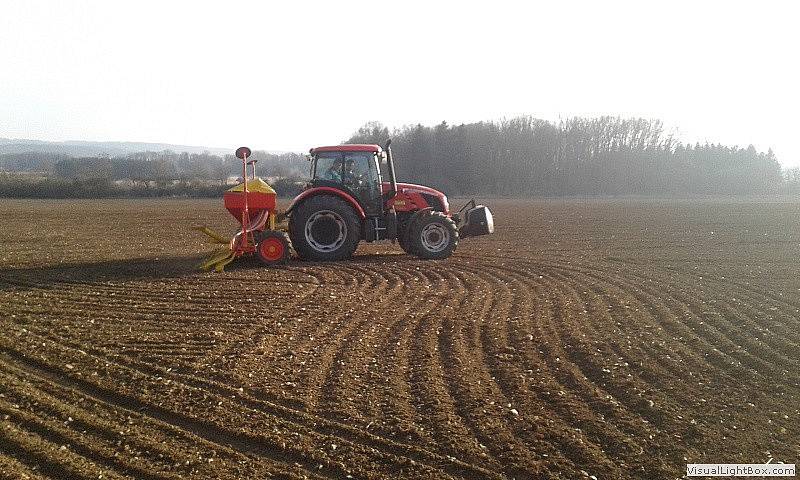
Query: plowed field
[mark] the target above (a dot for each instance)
(602, 339)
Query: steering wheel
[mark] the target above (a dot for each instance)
(357, 178)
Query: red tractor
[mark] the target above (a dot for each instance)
(353, 196)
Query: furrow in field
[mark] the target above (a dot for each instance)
(512, 439)
(344, 393)
(761, 325)
(89, 422)
(392, 411)
(675, 317)
(12, 469)
(703, 394)
(100, 455)
(312, 359)
(621, 403)
(430, 393)
(735, 318)
(537, 382)
(212, 433)
(717, 342)
(47, 458)
(399, 452)
(337, 326)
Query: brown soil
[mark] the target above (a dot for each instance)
(615, 339)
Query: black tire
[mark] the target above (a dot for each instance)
(434, 236)
(402, 240)
(273, 248)
(333, 232)
(405, 245)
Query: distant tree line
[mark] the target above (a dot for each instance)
(526, 156)
(792, 180)
(522, 156)
(167, 173)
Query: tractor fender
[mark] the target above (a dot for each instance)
(327, 191)
(411, 221)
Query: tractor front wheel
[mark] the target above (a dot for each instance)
(273, 248)
(433, 237)
(324, 227)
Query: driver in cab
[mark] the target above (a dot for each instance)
(351, 174)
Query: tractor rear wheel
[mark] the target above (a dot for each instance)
(433, 237)
(273, 248)
(324, 228)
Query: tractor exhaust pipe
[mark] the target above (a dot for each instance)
(390, 166)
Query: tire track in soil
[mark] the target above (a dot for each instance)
(336, 328)
(505, 436)
(516, 301)
(692, 429)
(711, 337)
(430, 395)
(219, 437)
(616, 401)
(395, 402)
(12, 469)
(322, 426)
(359, 344)
(51, 403)
(58, 436)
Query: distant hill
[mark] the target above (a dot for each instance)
(79, 148)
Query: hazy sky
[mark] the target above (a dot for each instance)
(291, 75)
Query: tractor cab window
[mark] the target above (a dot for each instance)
(361, 176)
(328, 166)
(357, 172)
(359, 168)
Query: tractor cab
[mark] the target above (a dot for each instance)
(354, 169)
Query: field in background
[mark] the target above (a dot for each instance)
(614, 339)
